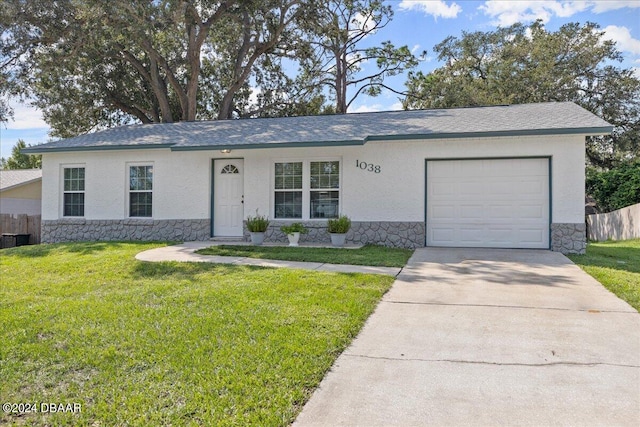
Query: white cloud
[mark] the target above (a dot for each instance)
(605, 6)
(367, 108)
(362, 23)
(622, 36)
(415, 48)
(26, 116)
(506, 13)
(253, 96)
(372, 108)
(435, 8)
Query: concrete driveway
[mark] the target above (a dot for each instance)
(488, 337)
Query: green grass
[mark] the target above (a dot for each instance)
(378, 256)
(169, 343)
(616, 265)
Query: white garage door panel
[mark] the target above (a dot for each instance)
(498, 203)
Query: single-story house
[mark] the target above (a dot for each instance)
(20, 191)
(501, 177)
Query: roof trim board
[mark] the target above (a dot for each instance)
(40, 150)
(268, 145)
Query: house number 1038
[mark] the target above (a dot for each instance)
(368, 166)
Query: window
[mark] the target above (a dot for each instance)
(140, 191)
(230, 169)
(309, 190)
(325, 176)
(73, 193)
(288, 190)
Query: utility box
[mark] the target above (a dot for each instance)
(10, 240)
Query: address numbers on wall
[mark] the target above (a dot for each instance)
(369, 167)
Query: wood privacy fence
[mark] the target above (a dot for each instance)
(20, 224)
(622, 224)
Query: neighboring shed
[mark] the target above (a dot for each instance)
(21, 191)
(501, 176)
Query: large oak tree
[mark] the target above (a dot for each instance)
(523, 64)
(94, 64)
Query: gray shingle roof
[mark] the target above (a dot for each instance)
(348, 129)
(15, 178)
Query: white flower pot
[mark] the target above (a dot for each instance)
(293, 238)
(337, 239)
(257, 237)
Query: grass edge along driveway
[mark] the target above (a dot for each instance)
(615, 264)
(169, 343)
(371, 255)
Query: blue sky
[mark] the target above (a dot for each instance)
(421, 24)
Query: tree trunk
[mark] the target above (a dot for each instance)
(160, 91)
(341, 83)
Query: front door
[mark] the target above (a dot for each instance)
(228, 195)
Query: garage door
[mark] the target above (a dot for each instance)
(494, 203)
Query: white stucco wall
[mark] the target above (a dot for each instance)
(180, 183)
(182, 180)
(23, 199)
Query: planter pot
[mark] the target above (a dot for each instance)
(257, 237)
(337, 239)
(293, 239)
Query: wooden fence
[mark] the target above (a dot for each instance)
(20, 224)
(622, 224)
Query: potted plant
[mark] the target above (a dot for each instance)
(257, 225)
(293, 232)
(338, 228)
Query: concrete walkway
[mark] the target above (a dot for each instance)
(185, 252)
(488, 338)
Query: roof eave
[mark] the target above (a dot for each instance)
(587, 131)
(43, 149)
(12, 187)
(269, 145)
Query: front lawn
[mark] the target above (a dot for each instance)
(168, 343)
(616, 265)
(372, 255)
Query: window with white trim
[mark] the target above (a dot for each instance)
(288, 190)
(307, 189)
(324, 189)
(73, 191)
(141, 191)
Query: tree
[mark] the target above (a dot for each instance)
(522, 64)
(95, 64)
(616, 188)
(18, 160)
(333, 55)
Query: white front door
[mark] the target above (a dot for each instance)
(228, 195)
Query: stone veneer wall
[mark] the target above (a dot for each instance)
(569, 238)
(68, 230)
(565, 237)
(393, 234)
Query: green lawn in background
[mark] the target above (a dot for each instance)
(616, 265)
(169, 343)
(372, 255)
